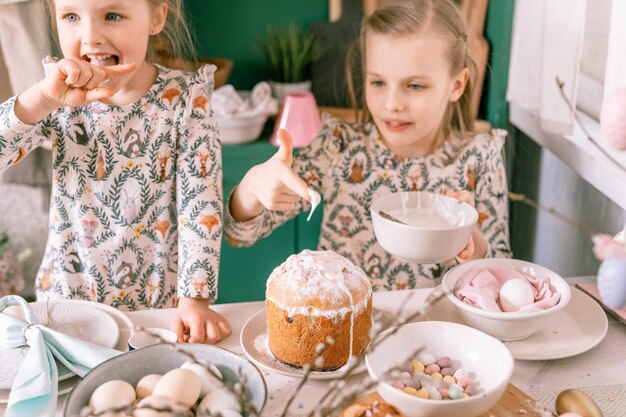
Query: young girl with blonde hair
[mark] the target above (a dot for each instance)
(417, 135)
(135, 215)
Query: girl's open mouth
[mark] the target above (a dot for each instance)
(101, 60)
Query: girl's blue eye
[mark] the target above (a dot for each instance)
(415, 86)
(377, 83)
(71, 17)
(113, 17)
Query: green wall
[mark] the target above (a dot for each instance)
(498, 33)
(231, 28)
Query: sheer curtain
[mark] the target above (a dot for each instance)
(557, 38)
(546, 43)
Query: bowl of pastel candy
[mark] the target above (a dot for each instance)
(422, 227)
(161, 380)
(442, 369)
(509, 299)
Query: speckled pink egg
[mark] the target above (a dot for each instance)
(613, 119)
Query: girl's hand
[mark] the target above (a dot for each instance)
(476, 247)
(272, 184)
(76, 83)
(195, 322)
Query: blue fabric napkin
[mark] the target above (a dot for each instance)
(34, 389)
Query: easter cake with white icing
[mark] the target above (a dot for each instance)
(314, 297)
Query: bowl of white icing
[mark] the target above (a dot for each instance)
(422, 227)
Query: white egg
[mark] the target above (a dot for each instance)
(208, 381)
(146, 407)
(146, 385)
(515, 294)
(219, 400)
(181, 385)
(112, 394)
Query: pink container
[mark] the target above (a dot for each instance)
(300, 117)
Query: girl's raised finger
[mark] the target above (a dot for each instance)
(113, 70)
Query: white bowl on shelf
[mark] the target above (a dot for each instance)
(240, 129)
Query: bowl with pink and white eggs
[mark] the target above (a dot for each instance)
(160, 377)
(509, 299)
(439, 369)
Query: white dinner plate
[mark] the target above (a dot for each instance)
(579, 327)
(125, 325)
(68, 317)
(253, 341)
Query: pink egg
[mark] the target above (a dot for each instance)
(613, 118)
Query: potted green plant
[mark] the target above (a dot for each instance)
(289, 52)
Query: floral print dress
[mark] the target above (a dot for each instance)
(136, 206)
(350, 166)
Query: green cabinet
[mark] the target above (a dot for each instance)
(243, 271)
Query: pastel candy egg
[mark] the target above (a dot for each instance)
(471, 389)
(433, 394)
(397, 384)
(410, 390)
(406, 367)
(426, 358)
(447, 371)
(432, 368)
(436, 376)
(413, 383)
(460, 373)
(417, 365)
(455, 392)
(515, 294)
(443, 392)
(422, 393)
(449, 379)
(444, 362)
(405, 376)
(464, 382)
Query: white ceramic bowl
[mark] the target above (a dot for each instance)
(478, 353)
(507, 326)
(433, 243)
(242, 129)
(158, 359)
